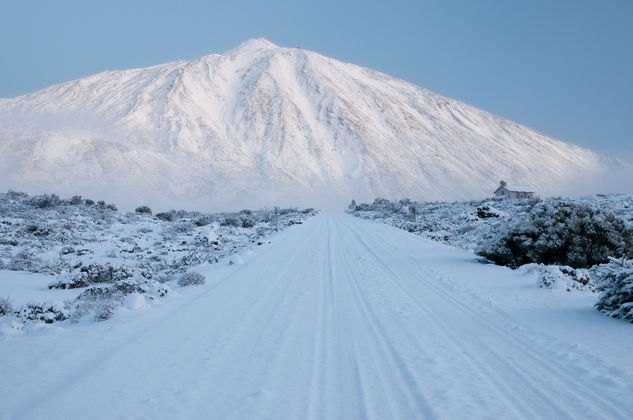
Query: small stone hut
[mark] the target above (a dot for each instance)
(507, 191)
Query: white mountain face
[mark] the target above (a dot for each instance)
(263, 125)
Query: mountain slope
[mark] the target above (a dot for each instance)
(266, 125)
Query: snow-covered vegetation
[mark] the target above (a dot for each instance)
(615, 281)
(569, 243)
(97, 257)
(560, 232)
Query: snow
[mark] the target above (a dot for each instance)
(339, 318)
(262, 125)
(23, 287)
(466, 224)
(89, 256)
(135, 301)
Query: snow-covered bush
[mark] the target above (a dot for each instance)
(143, 210)
(561, 277)
(561, 233)
(94, 274)
(231, 221)
(484, 212)
(67, 250)
(99, 301)
(247, 222)
(47, 312)
(25, 260)
(164, 278)
(103, 300)
(615, 280)
(191, 278)
(76, 200)
(165, 217)
(203, 221)
(45, 201)
(6, 306)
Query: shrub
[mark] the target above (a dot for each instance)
(615, 280)
(15, 195)
(143, 210)
(45, 201)
(94, 274)
(39, 230)
(76, 200)
(103, 300)
(89, 202)
(165, 217)
(67, 250)
(561, 277)
(230, 221)
(47, 312)
(164, 278)
(98, 300)
(6, 306)
(191, 278)
(561, 233)
(25, 261)
(203, 221)
(248, 223)
(484, 212)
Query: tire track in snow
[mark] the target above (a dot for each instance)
(566, 378)
(486, 369)
(380, 342)
(252, 337)
(562, 378)
(337, 387)
(104, 356)
(317, 378)
(487, 375)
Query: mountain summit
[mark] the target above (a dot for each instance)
(263, 125)
(252, 45)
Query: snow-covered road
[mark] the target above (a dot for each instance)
(339, 318)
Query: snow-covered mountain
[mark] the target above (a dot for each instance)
(264, 125)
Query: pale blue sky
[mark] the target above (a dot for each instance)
(563, 67)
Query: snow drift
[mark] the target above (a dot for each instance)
(266, 125)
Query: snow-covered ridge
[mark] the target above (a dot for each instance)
(265, 125)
